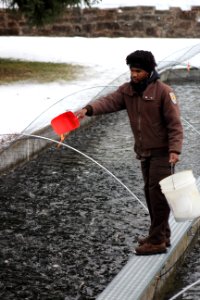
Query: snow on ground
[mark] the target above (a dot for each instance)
(105, 57)
(163, 4)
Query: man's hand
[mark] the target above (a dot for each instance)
(173, 158)
(81, 113)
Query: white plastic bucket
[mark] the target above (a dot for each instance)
(182, 195)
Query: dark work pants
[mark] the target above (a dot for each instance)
(154, 169)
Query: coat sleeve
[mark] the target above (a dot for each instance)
(171, 112)
(110, 103)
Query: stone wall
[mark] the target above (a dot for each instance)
(122, 22)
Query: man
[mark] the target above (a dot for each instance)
(155, 121)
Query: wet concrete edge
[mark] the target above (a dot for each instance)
(25, 147)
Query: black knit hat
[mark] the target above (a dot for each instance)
(142, 60)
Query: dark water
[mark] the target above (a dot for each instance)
(186, 274)
(67, 227)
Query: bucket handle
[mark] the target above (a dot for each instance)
(173, 172)
(172, 168)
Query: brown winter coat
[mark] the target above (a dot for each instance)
(154, 115)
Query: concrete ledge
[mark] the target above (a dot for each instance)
(180, 75)
(25, 147)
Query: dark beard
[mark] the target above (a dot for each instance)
(140, 86)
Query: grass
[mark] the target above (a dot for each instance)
(17, 70)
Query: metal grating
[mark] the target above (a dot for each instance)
(138, 273)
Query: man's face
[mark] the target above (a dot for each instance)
(138, 75)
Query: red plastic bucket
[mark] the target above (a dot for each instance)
(65, 123)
